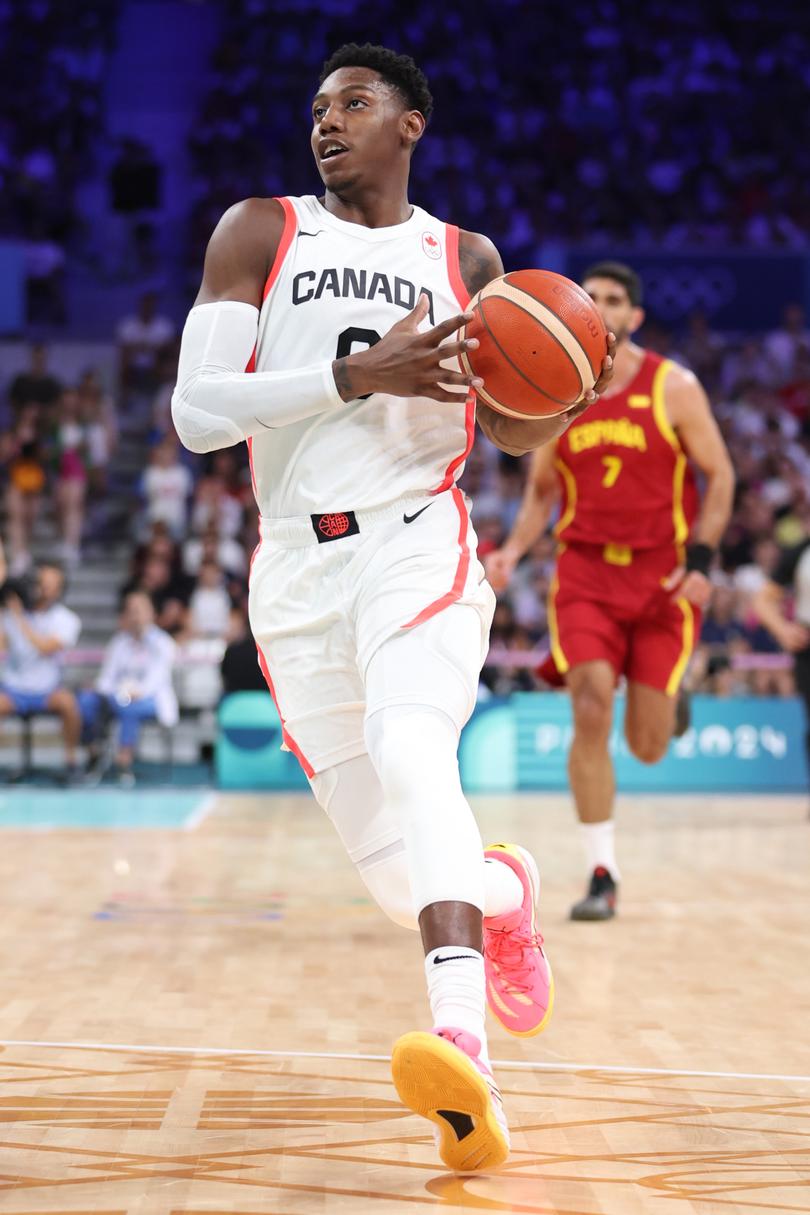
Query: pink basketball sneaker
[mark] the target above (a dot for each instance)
(520, 985)
(441, 1076)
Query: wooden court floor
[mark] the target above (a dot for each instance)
(198, 1020)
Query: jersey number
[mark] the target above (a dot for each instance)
(360, 337)
(613, 466)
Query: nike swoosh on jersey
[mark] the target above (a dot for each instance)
(318, 233)
(410, 518)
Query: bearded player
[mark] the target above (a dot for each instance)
(635, 549)
(367, 601)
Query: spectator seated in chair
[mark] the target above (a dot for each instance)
(134, 684)
(210, 605)
(35, 630)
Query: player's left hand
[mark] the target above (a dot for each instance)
(692, 586)
(528, 433)
(593, 394)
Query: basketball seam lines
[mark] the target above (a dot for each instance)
(545, 310)
(556, 315)
(542, 392)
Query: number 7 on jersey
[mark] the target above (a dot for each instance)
(613, 466)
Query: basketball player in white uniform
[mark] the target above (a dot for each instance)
(322, 335)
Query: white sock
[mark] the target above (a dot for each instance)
(457, 991)
(503, 889)
(599, 846)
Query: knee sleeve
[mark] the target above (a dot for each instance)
(405, 821)
(385, 873)
(352, 797)
(420, 690)
(414, 753)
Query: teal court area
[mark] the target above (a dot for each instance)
(110, 809)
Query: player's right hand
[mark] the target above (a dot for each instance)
(407, 363)
(499, 567)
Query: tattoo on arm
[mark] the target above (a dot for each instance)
(478, 266)
(349, 381)
(343, 379)
(476, 270)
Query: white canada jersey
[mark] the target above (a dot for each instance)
(336, 288)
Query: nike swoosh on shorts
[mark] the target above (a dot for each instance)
(410, 518)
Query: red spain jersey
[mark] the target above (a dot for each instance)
(626, 481)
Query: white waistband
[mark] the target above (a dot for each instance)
(297, 530)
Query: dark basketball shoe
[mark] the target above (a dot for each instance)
(683, 714)
(600, 901)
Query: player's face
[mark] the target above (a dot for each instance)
(359, 128)
(614, 304)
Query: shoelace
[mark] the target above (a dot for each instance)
(509, 950)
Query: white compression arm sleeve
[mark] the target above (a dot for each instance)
(216, 403)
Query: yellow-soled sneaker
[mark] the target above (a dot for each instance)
(520, 985)
(440, 1075)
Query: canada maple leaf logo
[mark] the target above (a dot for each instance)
(431, 246)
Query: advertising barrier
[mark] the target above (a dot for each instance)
(248, 751)
(744, 744)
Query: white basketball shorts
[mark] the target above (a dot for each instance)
(326, 591)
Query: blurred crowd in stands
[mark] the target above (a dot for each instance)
(188, 529)
(52, 62)
(55, 448)
(673, 136)
(692, 133)
(193, 525)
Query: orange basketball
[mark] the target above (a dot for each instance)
(542, 343)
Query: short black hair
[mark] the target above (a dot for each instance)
(620, 273)
(400, 71)
(52, 563)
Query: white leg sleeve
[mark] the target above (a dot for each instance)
(414, 752)
(385, 874)
(405, 821)
(216, 403)
(352, 796)
(420, 690)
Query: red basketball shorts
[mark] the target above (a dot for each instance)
(619, 612)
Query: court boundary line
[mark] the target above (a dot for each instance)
(201, 811)
(511, 1064)
(107, 790)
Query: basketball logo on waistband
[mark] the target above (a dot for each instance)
(333, 525)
